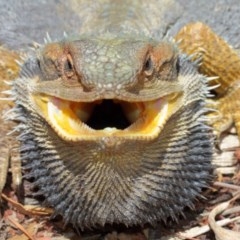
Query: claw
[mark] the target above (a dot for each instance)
(16, 169)
(10, 156)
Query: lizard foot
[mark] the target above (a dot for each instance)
(10, 157)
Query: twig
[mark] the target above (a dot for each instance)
(226, 185)
(28, 210)
(21, 228)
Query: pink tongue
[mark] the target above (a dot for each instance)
(56, 101)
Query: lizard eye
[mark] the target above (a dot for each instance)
(68, 68)
(148, 66)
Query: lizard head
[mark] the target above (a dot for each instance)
(112, 129)
(93, 89)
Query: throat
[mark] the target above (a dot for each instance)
(108, 114)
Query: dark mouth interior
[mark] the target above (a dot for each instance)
(108, 114)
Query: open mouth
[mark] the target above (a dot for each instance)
(75, 121)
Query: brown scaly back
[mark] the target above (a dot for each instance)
(218, 60)
(217, 57)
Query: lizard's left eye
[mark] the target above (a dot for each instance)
(148, 66)
(68, 68)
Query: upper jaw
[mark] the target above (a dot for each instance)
(57, 88)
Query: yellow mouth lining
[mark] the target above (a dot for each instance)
(69, 118)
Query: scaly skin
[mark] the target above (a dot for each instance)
(109, 176)
(151, 168)
(220, 60)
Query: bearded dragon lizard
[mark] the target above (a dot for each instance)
(112, 123)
